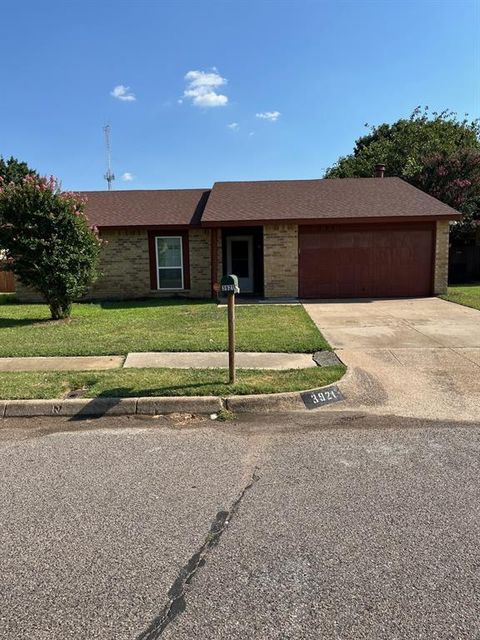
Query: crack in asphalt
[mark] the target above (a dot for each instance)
(176, 595)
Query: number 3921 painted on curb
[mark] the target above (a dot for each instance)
(319, 397)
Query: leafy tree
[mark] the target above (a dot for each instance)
(405, 145)
(12, 170)
(454, 179)
(47, 240)
(436, 152)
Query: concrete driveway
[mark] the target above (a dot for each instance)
(410, 357)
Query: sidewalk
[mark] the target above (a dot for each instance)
(170, 360)
(76, 363)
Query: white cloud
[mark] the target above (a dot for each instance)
(233, 126)
(127, 176)
(202, 88)
(273, 116)
(252, 133)
(121, 92)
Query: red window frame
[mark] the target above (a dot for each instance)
(152, 251)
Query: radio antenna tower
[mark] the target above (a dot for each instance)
(109, 176)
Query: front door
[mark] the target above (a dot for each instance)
(240, 261)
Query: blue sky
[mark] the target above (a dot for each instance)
(316, 72)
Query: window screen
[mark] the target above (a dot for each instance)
(169, 262)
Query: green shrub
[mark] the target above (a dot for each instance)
(48, 241)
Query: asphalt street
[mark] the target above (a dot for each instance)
(333, 526)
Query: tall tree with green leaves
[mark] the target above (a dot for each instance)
(435, 151)
(12, 170)
(47, 240)
(405, 145)
(454, 178)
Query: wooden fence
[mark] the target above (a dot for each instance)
(7, 281)
(464, 264)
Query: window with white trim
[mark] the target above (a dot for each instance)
(169, 262)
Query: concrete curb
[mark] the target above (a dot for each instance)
(265, 403)
(201, 405)
(75, 407)
(193, 404)
(110, 406)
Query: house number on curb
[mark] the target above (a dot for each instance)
(320, 397)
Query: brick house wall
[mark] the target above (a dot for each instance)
(200, 270)
(125, 268)
(441, 257)
(125, 264)
(280, 255)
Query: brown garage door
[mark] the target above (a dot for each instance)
(366, 261)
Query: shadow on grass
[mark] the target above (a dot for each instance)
(6, 323)
(464, 285)
(8, 298)
(164, 391)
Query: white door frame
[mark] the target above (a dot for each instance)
(246, 284)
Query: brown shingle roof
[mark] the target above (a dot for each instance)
(283, 200)
(276, 200)
(134, 208)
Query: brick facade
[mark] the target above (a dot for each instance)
(125, 265)
(441, 257)
(200, 271)
(125, 268)
(280, 254)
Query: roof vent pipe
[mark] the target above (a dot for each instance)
(379, 170)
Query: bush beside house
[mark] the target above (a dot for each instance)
(47, 240)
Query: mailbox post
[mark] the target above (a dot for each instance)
(229, 286)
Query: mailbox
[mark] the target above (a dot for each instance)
(229, 284)
(229, 287)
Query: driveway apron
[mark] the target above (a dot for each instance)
(407, 357)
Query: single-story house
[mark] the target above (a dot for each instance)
(343, 238)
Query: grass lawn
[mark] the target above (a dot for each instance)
(466, 294)
(161, 382)
(115, 328)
